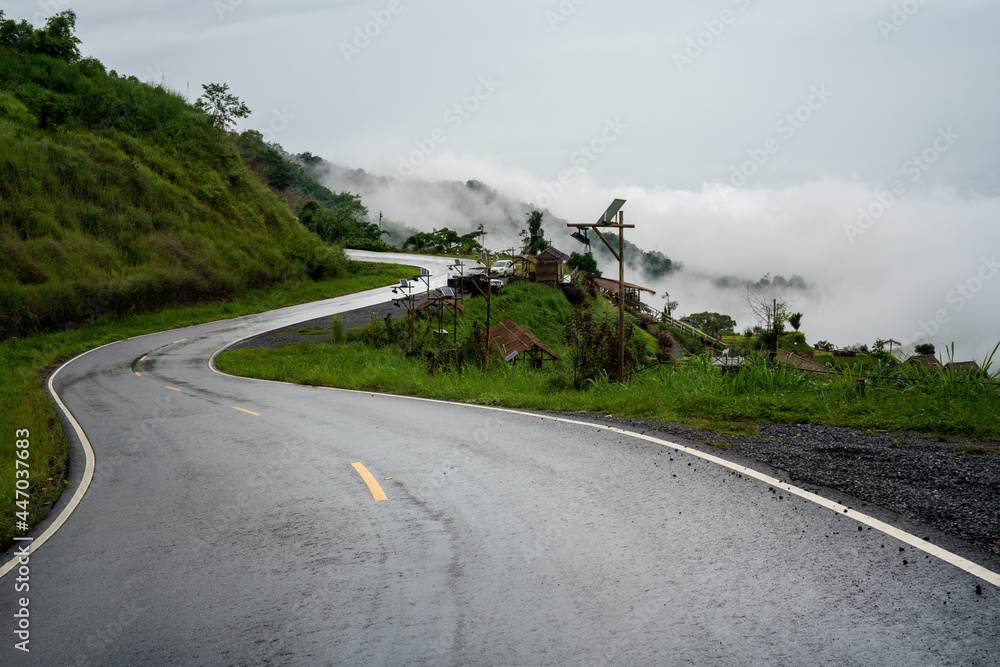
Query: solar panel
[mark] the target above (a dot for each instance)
(612, 211)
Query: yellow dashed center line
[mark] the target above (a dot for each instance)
(172, 388)
(179, 341)
(238, 325)
(143, 358)
(137, 374)
(255, 414)
(373, 486)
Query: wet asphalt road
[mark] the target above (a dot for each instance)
(212, 536)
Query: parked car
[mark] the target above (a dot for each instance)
(474, 285)
(503, 267)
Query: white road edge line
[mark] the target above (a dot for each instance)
(954, 559)
(88, 472)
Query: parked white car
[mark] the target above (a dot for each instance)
(503, 267)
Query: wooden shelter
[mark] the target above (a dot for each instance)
(549, 265)
(890, 342)
(971, 366)
(633, 293)
(438, 300)
(928, 361)
(526, 264)
(516, 343)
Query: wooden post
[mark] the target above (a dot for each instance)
(489, 293)
(619, 254)
(774, 324)
(621, 296)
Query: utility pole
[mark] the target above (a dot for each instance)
(608, 221)
(458, 267)
(405, 287)
(485, 258)
(774, 323)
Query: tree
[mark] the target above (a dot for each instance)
(56, 39)
(280, 177)
(668, 308)
(795, 319)
(585, 262)
(924, 348)
(17, 36)
(771, 313)
(536, 234)
(344, 223)
(221, 106)
(713, 323)
(444, 241)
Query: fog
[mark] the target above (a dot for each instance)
(917, 267)
(744, 135)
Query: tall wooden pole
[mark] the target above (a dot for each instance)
(608, 221)
(621, 296)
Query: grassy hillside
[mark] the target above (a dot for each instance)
(121, 208)
(117, 196)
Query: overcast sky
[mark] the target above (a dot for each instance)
(747, 136)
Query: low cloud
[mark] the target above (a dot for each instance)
(899, 279)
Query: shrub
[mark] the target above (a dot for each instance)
(667, 344)
(574, 295)
(593, 346)
(336, 329)
(381, 332)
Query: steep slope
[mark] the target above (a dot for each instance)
(117, 196)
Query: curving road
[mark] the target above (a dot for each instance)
(226, 525)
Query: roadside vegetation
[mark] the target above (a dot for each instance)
(689, 389)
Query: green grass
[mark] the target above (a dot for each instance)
(690, 393)
(975, 450)
(119, 197)
(25, 363)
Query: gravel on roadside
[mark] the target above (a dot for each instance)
(291, 334)
(923, 477)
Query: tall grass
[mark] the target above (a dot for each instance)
(694, 392)
(119, 197)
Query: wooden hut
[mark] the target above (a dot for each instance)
(970, 366)
(516, 343)
(928, 361)
(549, 265)
(633, 293)
(526, 266)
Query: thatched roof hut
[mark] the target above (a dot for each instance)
(515, 343)
(549, 265)
(928, 361)
(963, 366)
(633, 293)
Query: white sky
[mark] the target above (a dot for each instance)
(886, 80)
